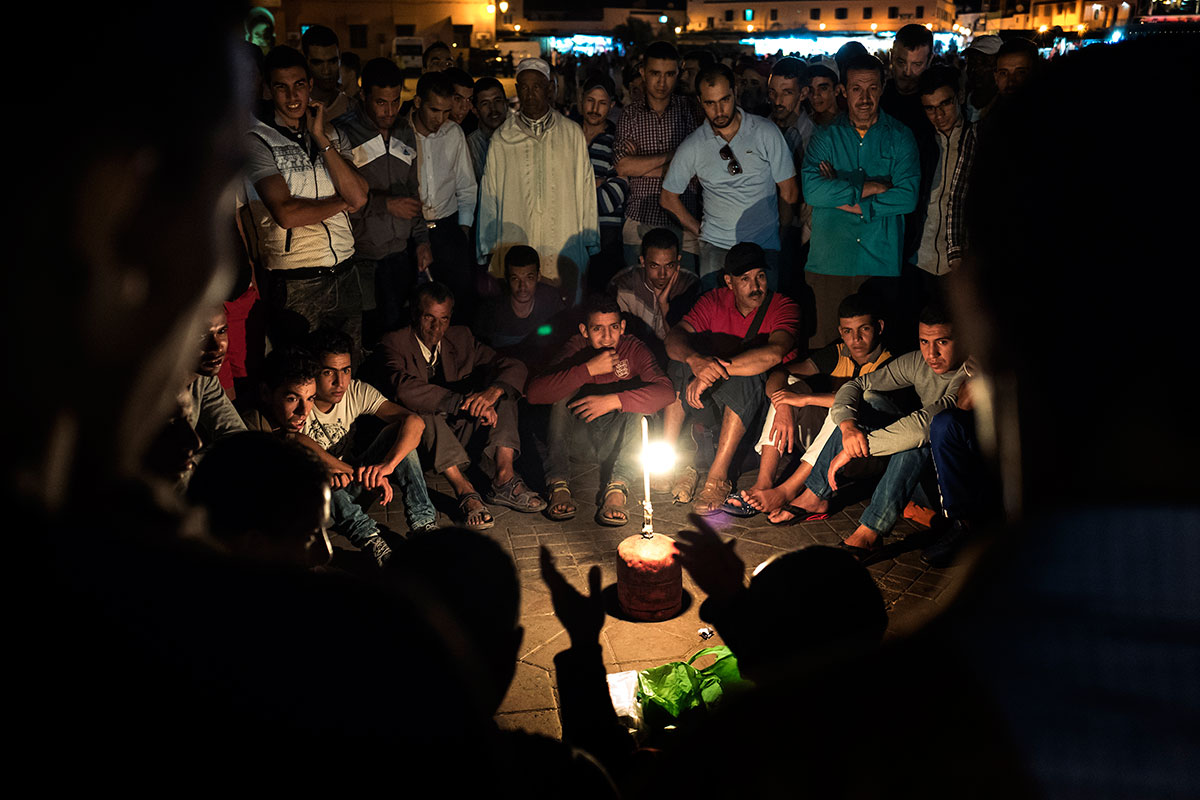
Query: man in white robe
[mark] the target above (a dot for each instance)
(539, 189)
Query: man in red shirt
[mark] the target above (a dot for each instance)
(720, 354)
(607, 381)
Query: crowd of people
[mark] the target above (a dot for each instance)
(450, 284)
(734, 251)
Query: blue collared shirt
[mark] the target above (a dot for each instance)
(869, 243)
(742, 207)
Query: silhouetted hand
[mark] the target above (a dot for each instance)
(716, 569)
(581, 615)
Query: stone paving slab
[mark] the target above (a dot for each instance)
(912, 592)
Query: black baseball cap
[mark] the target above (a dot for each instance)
(743, 257)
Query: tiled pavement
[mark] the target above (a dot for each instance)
(912, 592)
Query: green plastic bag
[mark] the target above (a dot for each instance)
(676, 692)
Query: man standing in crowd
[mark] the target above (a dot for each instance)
(539, 188)
(861, 176)
(300, 191)
(936, 373)
(649, 132)
(464, 91)
(491, 109)
(823, 86)
(607, 381)
(1016, 61)
(912, 53)
(787, 88)
(448, 187)
(461, 386)
(689, 68)
(941, 243)
(744, 167)
(436, 58)
(720, 354)
(320, 47)
(981, 77)
(655, 293)
(383, 148)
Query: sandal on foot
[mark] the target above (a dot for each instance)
(799, 515)
(741, 509)
(711, 497)
(516, 495)
(560, 495)
(604, 516)
(482, 516)
(684, 487)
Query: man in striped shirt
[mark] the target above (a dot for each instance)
(648, 133)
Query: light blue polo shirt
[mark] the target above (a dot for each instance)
(737, 208)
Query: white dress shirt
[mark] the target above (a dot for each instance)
(447, 178)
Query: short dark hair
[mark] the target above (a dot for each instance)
(599, 304)
(704, 58)
(318, 36)
(859, 305)
(484, 84)
(913, 36)
(434, 291)
(283, 57)
(864, 62)
(459, 77)
(327, 341)
(1018, 44)
(791, 67)
(521, 255)
(935, 314)
(286, 365)
(936, 77)
(381, 72)
(710, 74)
(352, 61)
(661, 50)
(438, 83)
(431, 49)
(278, 468)
(660, 239)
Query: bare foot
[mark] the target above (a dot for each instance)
(781, 515)
(810, 502)
(863, 537)
(766, 500)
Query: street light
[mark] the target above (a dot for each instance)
(678, 29)
(874, 26)
(517, 27)
(503, 6)
(491, 8)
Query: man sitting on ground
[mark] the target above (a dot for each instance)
(607, 381)
(459, 386)
(798, 407)
(210, 413)
(655, 293)
(936, 372)
(331, 424)
(720, 354)
(286, 396)
(516, 323)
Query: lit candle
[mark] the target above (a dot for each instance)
(647, 509)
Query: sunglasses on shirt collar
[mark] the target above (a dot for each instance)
(727, 155)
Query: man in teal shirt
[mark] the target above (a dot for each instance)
(861, 175)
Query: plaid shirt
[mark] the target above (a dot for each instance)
(956, 234)
(641, 132)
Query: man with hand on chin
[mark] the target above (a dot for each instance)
(607, 381)
(300, 191)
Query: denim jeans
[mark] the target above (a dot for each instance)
(349, 519)
(614, 436)
(418, 508)
(967, 487)
(297, 306)
(899, 479)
